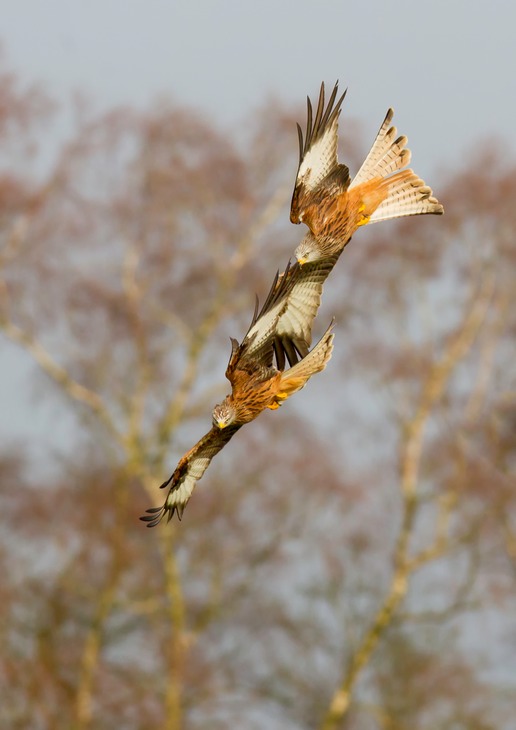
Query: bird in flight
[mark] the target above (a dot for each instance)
(333, 206)
(281, 329)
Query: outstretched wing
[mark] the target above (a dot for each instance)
(257, 347)
(282, 328)
(188, 472)
(293, 332)
(318, 163)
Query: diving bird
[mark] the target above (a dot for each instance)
(333, 206)
(281, 329)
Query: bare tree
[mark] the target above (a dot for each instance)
(336, 564)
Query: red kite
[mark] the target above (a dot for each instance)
(282, 328)
(333, 207)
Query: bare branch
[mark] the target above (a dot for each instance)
(226, 279)
(77, 392)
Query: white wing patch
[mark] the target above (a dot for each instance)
(178, 497)
(320, 159)
(304, 300)
(262, 332)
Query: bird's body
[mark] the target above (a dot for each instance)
(333, 220)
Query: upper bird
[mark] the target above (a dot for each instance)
(281, 329)
(331, 205)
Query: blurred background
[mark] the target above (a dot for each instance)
(348, 561)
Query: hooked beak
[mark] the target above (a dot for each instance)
(301, 261)
(221, 424)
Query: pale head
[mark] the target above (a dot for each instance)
(308, 250)
(224, 414)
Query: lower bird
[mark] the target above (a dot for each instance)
(256, 383)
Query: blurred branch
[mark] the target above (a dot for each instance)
(460, 602)
(90, 657)
(268, 215)
(134, 294)
(104, 603)
(509, 540)
(59, 375)
(169, 319)
(440, 545)
(15, 239)
(226, 281)
(381, 715)
(176, 645)
(487, 352)
(411, 452)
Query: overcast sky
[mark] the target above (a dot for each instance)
(446, 66)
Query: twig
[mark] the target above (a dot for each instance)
(58, 374)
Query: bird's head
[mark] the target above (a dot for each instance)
(224, 414)
(307, 251)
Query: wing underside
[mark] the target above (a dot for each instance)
(283, 327)
(187, 473)
(318, 154)
(294, 326)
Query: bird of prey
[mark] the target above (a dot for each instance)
(331, 205)
(282, 329)
(333, 208)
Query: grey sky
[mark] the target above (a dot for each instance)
(447, 67)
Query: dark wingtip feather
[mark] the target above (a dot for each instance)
(300, 137)
(308, 120)
(280, 354)
(153, 516)
(153, 510)
(324, 118)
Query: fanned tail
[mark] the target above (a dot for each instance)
(389, 190)
(407, 194)
(388, 154)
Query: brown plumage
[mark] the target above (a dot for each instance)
(333, 208)
(282, 328)
(331, 205)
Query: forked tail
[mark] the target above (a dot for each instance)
(389, 191)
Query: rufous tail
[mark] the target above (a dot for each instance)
(398, 192)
